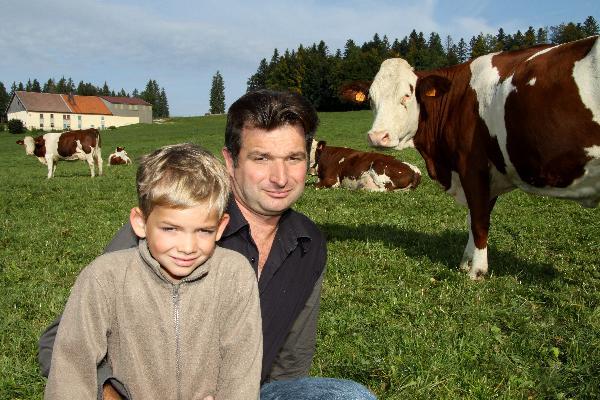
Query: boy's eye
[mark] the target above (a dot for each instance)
(167, 229)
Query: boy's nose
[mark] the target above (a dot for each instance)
(187, 244)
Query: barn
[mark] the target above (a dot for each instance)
(50, 111)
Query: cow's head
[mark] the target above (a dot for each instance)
(393, 100)
(119, 149)
(312, 158)
(29, 143)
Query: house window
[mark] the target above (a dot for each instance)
(42, 121)
(102, 122)
(79, 121)
(66, 122)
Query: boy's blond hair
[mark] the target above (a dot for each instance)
(182, 176)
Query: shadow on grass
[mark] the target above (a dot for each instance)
(445, 248)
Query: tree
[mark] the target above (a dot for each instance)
(259, 79)
(590, 26)
(217, 95)
(49, 86)
(164, 104)
(478, 46)
(35, 86)
(542, 36)
(530, 38)
(4, 99)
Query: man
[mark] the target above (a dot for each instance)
(267, 140)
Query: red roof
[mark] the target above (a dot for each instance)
(86, 105)
(125, 100)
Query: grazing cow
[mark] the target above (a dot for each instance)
(527, 119)
(69, 145)
(354, 169)
(119, 157)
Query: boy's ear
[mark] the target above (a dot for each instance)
(222, 225)
(138, 222)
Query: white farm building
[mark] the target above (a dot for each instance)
(49, 111)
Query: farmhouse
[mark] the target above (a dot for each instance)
(49, 111)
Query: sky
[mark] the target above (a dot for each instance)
(182, 43)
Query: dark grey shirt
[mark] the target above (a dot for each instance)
(289, 285)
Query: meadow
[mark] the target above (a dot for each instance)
(396, 315)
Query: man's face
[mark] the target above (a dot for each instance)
(271, 169)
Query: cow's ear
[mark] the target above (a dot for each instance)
(432, 86)
(355, 92)
(21, 142)
(321, 144)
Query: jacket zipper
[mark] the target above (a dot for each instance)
(175, 298)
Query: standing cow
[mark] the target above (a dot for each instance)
(527, 119)
(70, 145)
(119, 157)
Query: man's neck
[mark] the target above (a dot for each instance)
(262, 229)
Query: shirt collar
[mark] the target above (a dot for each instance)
(291, 230)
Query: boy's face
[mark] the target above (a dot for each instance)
(179, 239)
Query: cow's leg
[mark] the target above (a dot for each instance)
(99, 160)
(477, 192)
(51, 167)
(89, 158)
(467, 258)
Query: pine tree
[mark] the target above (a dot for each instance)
(530, 38)
(590, 26)
(164, 104)
(20, 87)
(135, 93)
(49, 86)
(259, 79)
(4, 100)
(28, 85)
(13, 88)
(217, 95)
(35, 86)
(542, 36)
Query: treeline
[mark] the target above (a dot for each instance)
(153, 94)
(318, 74)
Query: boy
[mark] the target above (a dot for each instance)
(176, 317)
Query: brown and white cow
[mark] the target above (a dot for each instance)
(70, 145)
(119, 157)
(353, 169)
(527, 119)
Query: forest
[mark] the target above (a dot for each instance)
(317, 73)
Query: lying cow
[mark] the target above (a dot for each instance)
(71, 145)
(119, 157)
(354, 169)
(527, 119)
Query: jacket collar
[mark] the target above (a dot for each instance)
(198, 273)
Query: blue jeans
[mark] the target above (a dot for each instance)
(315, 389)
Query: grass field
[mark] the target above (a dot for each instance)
(397, 315)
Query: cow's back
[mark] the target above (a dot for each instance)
(72, 142)
(544, 111)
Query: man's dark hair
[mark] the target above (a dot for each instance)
(268, 110)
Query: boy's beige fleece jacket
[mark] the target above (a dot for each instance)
(181, 341)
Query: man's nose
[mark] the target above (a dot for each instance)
(278, 173)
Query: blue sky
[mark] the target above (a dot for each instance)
(182, 43)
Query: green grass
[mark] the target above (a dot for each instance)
(397, 315)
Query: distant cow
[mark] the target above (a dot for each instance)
(119, 157)
(354, 169)
(527, 119)
(71, 145)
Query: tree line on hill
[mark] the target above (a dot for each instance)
(318, 75)
(152, 94)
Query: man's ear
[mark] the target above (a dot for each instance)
(228, 160)
(222, 225)
(138, 222)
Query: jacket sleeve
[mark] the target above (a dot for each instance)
(123, 239)
(295, 357)
(241, 338)
(81, 341)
